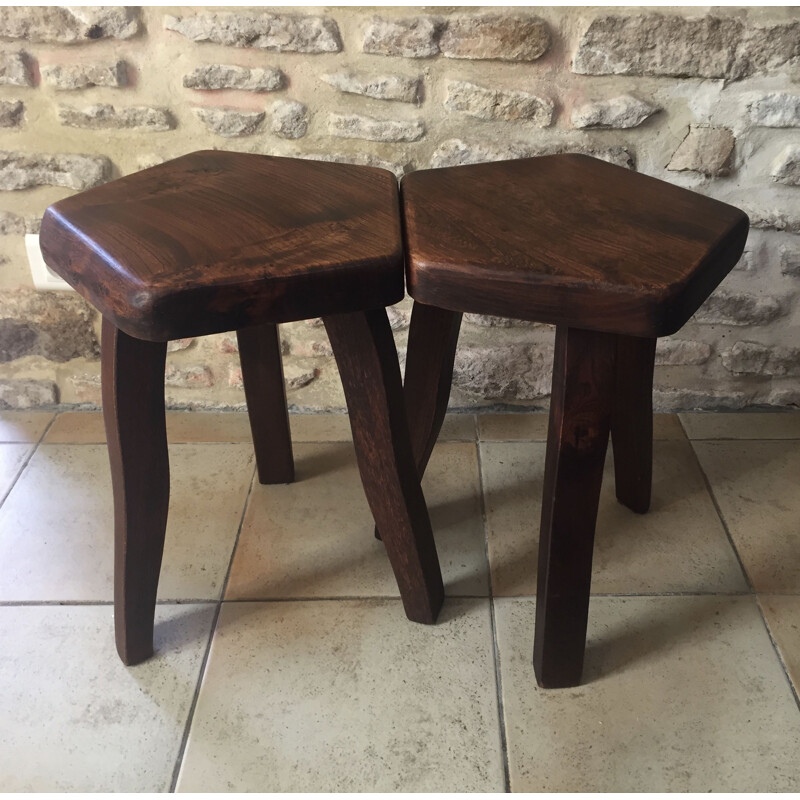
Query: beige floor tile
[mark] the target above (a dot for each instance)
(757, 486)
(343, 696)
(86, 427)
(314, 538)
(679, 546)
(680, 694)
(533, 427)
(12, 456)
(23, 426)
(752, 425)
(74, 719)
(513, 427)
(782, 613)
(56, 526)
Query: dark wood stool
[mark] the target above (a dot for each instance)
(218, 241)
(613, 259)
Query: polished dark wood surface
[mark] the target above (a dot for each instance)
(577, 437)
(133, 410)
(216, 241)
(265, 393)
(365, 354)
(566, 239)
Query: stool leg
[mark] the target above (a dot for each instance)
(262, 375)
(577, 438)
(365, 353)
(632, 422)
(133, 409)
(432, 340)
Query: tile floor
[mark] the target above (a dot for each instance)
(283, 659)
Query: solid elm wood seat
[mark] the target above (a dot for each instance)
(613, 259)
(218, 241)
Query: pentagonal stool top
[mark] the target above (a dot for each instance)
(566, 239)
(214, 240)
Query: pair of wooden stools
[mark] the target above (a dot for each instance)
(218, 241)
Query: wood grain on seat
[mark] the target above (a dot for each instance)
(215, 241)
(566, 239)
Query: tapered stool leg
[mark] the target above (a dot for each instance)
(133, 409)
(632, 422)
(580, 419)
(431, 351)
(365, 353)
(262, 375)
(432, 340)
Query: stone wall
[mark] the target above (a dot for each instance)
(706, 99)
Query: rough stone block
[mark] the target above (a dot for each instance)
(22, 393)
(55, 325)
(194, 376)
(82, 76)
(296, 377)
(68, 25)
(502, 37)
(776, 110)
(454, 152)
(11, 223)
(488, 321)
(379, 87)
(289, 119)
(752, 358)
(667, 399)
(14, 70)
(176, 345)
(702, 47)
(104, 116)
(625, 111)
(732, 308)
(415, 37)
(786, 168)
(281, 33)
(11, 113)
(679, 352)
(773, 219)
(358, 126)
(705, 149)
(229, 122)
(361, 159)
(501, 104)
(790, 261)
(508, 372)
(24, 170)
(228, 76)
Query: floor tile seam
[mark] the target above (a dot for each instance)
(493, 628)
(206, 656)
(26, 460)
(778, 654)
(723, 521)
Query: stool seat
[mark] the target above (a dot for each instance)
(214, 241)
(566, 239)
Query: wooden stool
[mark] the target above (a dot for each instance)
(218, 241)
(613, 259)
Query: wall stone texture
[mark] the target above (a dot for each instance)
(708, 99)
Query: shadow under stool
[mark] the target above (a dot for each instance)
(613, 259)
(219, 241)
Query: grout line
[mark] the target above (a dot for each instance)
(722, 520)
(27, 460)
(777, 650)
(493, 627)
(190, 716)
